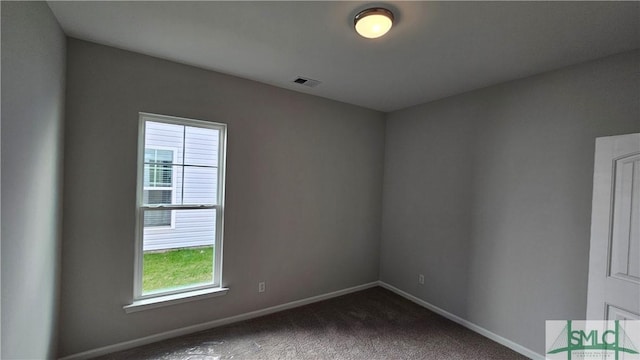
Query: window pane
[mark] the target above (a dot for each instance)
(181, 256)
(160, 136)
(149, 155)
(160, 156)
(201, 146)
(153, 197)
(200, 185)
(158, 175)
(164, 156)
(157, 218)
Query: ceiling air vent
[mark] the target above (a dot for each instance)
(306, 82)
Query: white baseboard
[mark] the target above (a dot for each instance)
(212, 324)
(469, 325)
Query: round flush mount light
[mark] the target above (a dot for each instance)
(373, 23)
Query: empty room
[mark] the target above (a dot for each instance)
(320, 180)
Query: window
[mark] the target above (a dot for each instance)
(180, 207)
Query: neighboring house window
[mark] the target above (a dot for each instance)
(180, 206)
(158, 185)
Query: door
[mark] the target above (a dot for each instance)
(614, 257)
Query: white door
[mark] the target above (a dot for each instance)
(614, 258)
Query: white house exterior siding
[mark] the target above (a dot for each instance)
(189, 228)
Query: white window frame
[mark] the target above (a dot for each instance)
(173, 188)
(161, 298)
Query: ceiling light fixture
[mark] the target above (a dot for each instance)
(373, 23)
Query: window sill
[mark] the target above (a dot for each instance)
(166, 300)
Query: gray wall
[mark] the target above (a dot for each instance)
(33, 72)
(488, 194)
(303, 207)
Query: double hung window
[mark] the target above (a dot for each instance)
(180, 206)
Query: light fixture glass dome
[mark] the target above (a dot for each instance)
(373, 23)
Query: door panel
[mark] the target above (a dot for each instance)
(626, 222)
(615, 313)
(614, 257)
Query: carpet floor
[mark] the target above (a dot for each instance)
(369, 324)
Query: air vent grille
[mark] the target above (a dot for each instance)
(306, 82)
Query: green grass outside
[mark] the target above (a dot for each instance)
(176, 268)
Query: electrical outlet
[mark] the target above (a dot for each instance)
(261, 287)
(420, 279)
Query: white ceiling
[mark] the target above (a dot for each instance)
(435, 49)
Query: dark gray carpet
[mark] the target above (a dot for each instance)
(370, 324)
